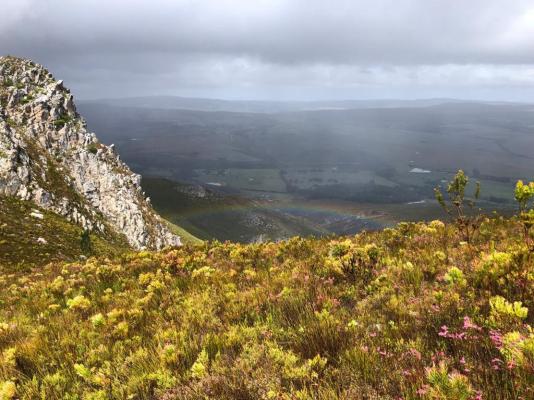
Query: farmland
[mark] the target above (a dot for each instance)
(380, 161)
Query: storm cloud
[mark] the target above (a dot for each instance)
(279, 49)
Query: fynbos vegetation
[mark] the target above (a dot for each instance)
(523, 195)
(406, 313)
(456, 191)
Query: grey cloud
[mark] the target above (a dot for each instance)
(232, 47)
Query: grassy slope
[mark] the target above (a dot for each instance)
(19, 232)
(220, 216)
(411, 312)
(185, 236)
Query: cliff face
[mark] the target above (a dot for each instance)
(48, 156)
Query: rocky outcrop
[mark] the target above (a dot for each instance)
(47, 155)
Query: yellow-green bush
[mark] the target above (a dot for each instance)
(410, 312)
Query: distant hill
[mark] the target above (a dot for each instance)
(258, 106)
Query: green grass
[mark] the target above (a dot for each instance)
(305, 178)
(185, 236)
(19, 232)
(213, 215)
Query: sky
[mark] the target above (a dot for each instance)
(279, 49)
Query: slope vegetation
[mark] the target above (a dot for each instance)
(32, 236)
(412, 312)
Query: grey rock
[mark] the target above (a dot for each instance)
(47, 156)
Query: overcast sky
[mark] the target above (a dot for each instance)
(279, 49)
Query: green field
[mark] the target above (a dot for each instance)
(267, 180)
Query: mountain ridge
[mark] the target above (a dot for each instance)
(274, 107)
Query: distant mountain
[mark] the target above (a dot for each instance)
(254, 106)
(50, 159)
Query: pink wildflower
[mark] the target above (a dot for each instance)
(444, 331)
(422, 390)
(496, 338)
(468, 324)
(382, 352)
(415, 353)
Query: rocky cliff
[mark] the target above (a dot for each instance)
(48, 156)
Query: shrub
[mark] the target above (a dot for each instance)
(199, 369)
(518, 349)
(456, 191)
(364, 316)
(447, 386)
(79, 303)
(92, 148)
(523, 196)
(98, 320)
(455, 276)
(503, 313)
(86, 245)
(8, 390)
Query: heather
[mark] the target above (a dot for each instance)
(412, 312)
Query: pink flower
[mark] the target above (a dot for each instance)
(496, 338)
(415, 353)
(444, 331)
(422, 390)
(478, 396)
(468, 324)
(437, 356)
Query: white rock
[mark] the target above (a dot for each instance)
(36, 214)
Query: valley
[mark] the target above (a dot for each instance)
(316, 169)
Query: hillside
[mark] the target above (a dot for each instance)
(261, 107)
(32, 236)
(412, 312)
(48, 157)
(216, 215)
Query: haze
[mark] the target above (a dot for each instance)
(279, 49)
